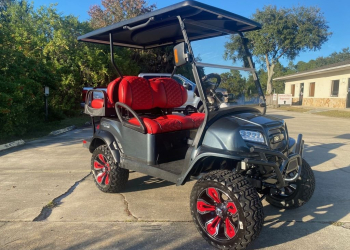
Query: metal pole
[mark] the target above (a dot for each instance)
(200, 133)
(112, 55)
(46, 109)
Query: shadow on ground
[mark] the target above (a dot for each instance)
(145, 183)
(320, 153)
(343, 136)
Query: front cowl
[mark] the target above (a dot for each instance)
(224, 133)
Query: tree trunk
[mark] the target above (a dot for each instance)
(269, 83)
(270, 72)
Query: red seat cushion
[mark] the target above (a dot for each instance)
(165, 123)
(169, 123)
(197, 118)
(159, 125)
(186, 123)
(98, 103)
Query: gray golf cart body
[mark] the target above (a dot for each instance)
(178, 155)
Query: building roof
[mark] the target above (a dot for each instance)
(324, 69)
(161, 27)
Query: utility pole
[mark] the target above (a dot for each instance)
(47, 90)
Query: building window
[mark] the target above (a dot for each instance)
(335, 88)
(292, 89)
(312, 89)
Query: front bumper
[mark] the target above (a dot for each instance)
(288, 163)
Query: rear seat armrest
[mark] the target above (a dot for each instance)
(141, 128)
(89, 96)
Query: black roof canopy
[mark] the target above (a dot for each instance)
(201, 20)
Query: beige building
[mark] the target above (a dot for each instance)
(328, 86)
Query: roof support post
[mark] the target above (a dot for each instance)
(199, 136)
(112, 54)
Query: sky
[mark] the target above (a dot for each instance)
(336, 13)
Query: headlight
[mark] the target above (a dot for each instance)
(252, 136)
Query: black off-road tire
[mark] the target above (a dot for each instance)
(247, 201)
(118, 177)
(305, 187)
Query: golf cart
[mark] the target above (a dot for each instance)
(238, 154)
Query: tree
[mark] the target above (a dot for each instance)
(152, 60)
(335, 57)
(4, 4)
(233, 82)
(117, 10)
(285, 33)
(38, 47)
(23, 72)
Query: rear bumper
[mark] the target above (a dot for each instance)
(289, 163)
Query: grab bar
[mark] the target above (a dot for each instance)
(139, 26)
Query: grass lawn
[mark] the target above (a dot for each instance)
(45, 128)
(335, 113)
(294, 109)
(330, 113)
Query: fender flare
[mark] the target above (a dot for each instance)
(182, 180)
(110, 142)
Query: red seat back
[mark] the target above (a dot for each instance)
(112, 90)
(141, 94)
(168, 93)
(136, 92)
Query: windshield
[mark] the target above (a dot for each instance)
(229, 88)
(225, 84)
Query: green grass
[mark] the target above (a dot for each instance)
(43, 129)
(335, 113)
(294, 109)
(330, 113)
(51, 204)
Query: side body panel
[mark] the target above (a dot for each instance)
(130, 142)
(151, 149)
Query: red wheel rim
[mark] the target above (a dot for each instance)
(217, 214)
(101, 170)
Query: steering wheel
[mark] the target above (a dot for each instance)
(206, 78)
